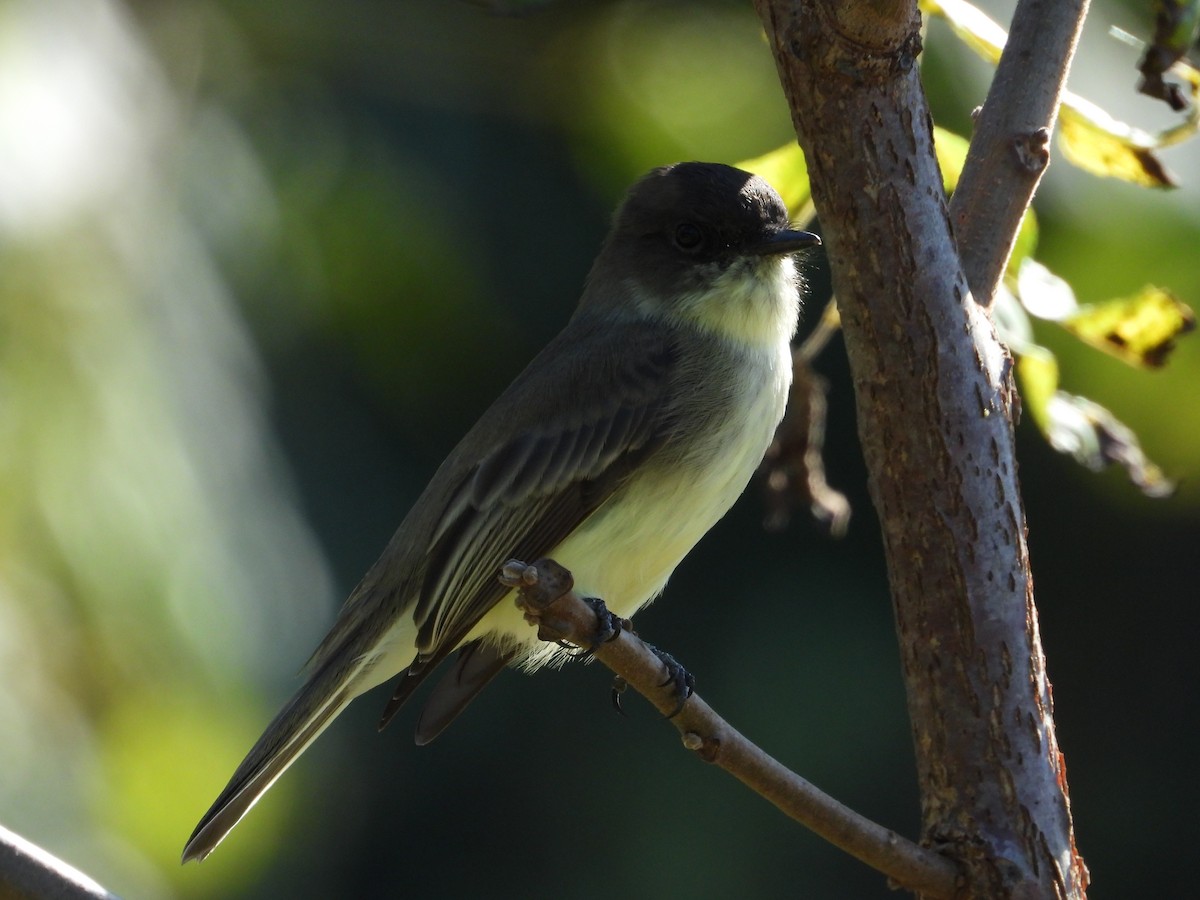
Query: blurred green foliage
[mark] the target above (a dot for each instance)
(261, 265)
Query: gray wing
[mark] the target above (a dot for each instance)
(524, 498)
(520, 500)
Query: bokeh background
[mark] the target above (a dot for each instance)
(261, 264)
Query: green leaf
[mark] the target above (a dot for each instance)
(1176, 25)
(787, 172)
(1182, 25)
(1141, 330)
(1097, 439)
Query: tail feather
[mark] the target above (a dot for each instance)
(318, 702)
(477, 664)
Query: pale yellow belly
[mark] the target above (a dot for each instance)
(627, 550)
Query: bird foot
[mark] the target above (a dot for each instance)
(682, 682)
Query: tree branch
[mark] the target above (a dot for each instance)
(935, 404)
(546, 596)
(26, 870)
(1010, 146)
(794, 468)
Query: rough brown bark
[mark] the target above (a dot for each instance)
(935, 409)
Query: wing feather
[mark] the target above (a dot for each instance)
(526, 496)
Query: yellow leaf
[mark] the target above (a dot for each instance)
(786, 170)
(1141, 330)
(951, 150)
(972, 26)
(1089, 137)
(1037, 371)
(1026, 243)
(1098, 143)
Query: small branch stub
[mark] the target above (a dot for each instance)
(1033, 150)
(539, 587)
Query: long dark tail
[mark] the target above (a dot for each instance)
(326, 693)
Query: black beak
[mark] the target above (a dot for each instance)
(783, 242)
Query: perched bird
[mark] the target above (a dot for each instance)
(614, 452)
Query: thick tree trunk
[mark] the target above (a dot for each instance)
(935, 414)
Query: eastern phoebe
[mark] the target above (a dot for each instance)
(620, 445)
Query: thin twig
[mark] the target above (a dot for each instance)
(794, 467)
(827, 326)
(1009, 149)
(549, 602)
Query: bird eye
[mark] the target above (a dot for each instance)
(689, 237)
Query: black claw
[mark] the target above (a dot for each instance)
(608, 625)
(619, 686)
(682, 681)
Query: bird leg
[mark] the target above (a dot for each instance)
(682, 682)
